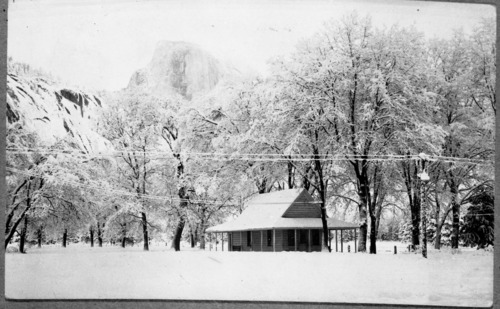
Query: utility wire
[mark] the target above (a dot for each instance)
(264, 157)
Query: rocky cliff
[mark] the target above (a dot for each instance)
(53, 112)
(179, 68)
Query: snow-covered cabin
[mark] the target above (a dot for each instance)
(287, 220)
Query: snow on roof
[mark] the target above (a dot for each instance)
(265, 211)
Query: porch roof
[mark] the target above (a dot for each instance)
(282, 223)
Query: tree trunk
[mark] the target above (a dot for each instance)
(439, 224)
(191, 235)
(415, 206)
(99, 234)
(377, 224)
(196, 235)
(21, 217)
(322, 193)
(323, 221)
(13, 210)
(65, 237)
(373, 234)
(363, 228)
(202, 241)
(91, 237)
(424, 224)
(291, 177)
(39, 236)
(412, 183)
(363, 205)
(378, 213)
(176, 243)
(437, 237)
(23, 235)
(415, 222)
(124, 234)
(145, 231)
(201, 233)
(456, 216)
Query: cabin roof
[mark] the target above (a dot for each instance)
(269, 211)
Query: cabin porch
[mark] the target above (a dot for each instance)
(277, 240)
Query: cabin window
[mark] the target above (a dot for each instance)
(269, 238)
(291, 238)
(302, 236)
(249, 238)
(315, 237)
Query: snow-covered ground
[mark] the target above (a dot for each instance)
(460, 279)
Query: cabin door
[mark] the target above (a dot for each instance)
(303, 241)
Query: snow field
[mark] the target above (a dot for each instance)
(81, 272)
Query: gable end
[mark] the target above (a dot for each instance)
(303, 207)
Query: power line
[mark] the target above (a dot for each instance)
(263, 157)
(139, 151)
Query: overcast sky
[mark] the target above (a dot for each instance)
(98, 44)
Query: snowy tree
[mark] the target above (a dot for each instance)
(478, 227)
(173, 132)
(246, 129)
(24, 178)
(483, 55)
(41, 180)
(469, 126)
(218, 193)
(362, 85)
(132, 123)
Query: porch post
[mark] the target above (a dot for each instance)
(341, 242)
(336, 241)
(261, 239)
(309, 247)
(210, 241)
(241, 241)
(322, 244)
(321, 241)
(222, 241)
(251, 241)
(215, 241)
(295, 238)
(355, 247)
(274, 240)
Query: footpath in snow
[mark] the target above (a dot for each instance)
(81, 272)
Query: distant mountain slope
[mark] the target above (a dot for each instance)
(54, 112)
(37, 100)
(179, 68)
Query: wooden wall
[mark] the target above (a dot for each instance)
(302, 246)
(281, 242)
(239, 239)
